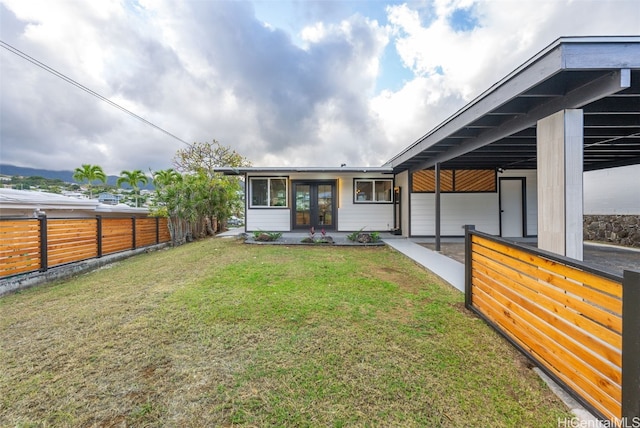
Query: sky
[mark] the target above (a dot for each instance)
(284, 83)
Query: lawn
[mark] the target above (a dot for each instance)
(218, 333)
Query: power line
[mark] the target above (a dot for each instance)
(67, 79)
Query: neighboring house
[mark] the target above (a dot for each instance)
(109, 198)
(510, 162)
(30, 204)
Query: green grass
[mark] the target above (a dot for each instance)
(218, 333)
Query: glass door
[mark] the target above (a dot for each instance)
(314, 205)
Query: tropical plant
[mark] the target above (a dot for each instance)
(363, 237)
(132, 178)
(165, 177)
(353, 236)
(89, 173)
(260, 235)
(197, 200)
(223, 193)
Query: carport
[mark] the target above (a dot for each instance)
(573, 107)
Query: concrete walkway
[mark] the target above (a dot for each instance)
(446, 268)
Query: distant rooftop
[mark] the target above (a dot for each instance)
(29, 199)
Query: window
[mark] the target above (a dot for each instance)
(268, 192)
(373, 190)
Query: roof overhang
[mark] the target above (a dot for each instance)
(600, 75)
(292, 170)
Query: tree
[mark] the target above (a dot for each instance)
(132, 178)
(224, 192)
(89, 173)
(206, 157)
(200, 200)
(165, 177)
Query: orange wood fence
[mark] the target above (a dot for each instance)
(565, 316)
(28, 245)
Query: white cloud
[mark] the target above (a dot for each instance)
(212, 70)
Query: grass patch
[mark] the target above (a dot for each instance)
(219, 333)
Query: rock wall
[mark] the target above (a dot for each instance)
(615, 229)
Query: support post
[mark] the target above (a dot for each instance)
(437, 225)
(133, 232)
(99, 234)
(468, 229)
(157, 230)
(630, 347)
(44, 260)
(560, 147)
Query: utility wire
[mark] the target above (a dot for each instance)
(67, 79)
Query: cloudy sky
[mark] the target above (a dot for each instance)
(304, 83)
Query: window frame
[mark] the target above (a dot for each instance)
(269, 198)
(373, 184)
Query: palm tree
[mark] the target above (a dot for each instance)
(90, 173)
(166, 177)
(132, 178)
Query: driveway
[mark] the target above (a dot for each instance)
(612, 259)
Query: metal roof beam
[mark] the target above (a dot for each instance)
(601, 87)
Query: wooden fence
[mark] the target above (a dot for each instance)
(578, 324)
(28, 245)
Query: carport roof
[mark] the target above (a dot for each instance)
(600, 75)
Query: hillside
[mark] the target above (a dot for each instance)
(66, 176)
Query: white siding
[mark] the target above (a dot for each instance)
(350, 216)
(612, 191)
(269, 220)
(353, 216)
(479, 209)
(457, 209)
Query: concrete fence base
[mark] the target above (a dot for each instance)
(27, 280)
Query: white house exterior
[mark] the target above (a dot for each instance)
(511, 162)
(334, 199)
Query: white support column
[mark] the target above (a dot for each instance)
(560, 195)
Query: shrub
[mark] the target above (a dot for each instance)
(262, 236)
(364, 238)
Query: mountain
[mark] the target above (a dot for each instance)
(66, 176)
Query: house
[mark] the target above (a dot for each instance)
(30, 204)
(109, 198)
(510, 162)
(340, 198)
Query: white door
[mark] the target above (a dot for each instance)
(511, 207)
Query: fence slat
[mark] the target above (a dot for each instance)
(541, 282)
(603, 358)
(19, 246)
(602, 402)
(71, 240)
(603, 284)
(527, 287)
(605, 376)
(565, 316)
